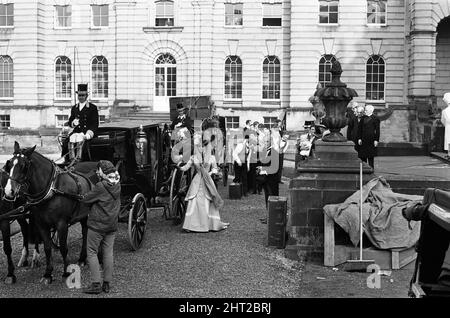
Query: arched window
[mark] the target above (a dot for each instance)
(233, 77)
(165, 75)
(271, 78)
(99, 77)
(375, 78)
(164, 13)
(324, 68)
(6, 77)
(63, 78)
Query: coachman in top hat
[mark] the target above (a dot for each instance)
(84, 121)
(183, 120)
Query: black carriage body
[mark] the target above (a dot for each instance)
(115, 142)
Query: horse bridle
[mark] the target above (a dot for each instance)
(22, 184)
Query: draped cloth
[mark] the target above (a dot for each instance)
(210, 189)
(383, 222)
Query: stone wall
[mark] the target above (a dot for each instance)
(45, 142)
(309, 193)
(396, 127)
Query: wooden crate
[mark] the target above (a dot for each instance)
(338, 254)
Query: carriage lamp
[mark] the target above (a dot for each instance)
(141, 149)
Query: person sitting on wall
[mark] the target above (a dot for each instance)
(84, 120)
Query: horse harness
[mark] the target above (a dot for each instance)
(46, 194)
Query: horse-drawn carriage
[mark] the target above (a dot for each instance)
(142, 153)
(137, 151)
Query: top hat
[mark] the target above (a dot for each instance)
(180, 106)
(82, 88)
(308, 123)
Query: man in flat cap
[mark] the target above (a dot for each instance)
(84, 121)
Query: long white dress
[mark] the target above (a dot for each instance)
(445, 119)
(202, 213)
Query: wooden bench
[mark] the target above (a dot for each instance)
(335, 254)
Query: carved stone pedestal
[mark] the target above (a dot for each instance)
(330, 178)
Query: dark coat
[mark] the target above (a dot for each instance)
(88, 118)
(352, 129)
(368, 132)
(270, 181)
(104, 200)
(185, 122)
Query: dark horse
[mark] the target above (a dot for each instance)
(53, 195)
(26, 229)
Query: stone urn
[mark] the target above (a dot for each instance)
(335, 96)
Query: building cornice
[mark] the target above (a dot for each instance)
(162, 29)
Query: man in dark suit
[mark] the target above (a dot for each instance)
(252, 161)
(182, 120)
(84, 120)
(241, 160)
(283, 147)
(268, 172)
(352, 121)
(368, 136)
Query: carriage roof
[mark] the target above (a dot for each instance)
(129, 124)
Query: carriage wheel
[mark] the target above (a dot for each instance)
(179, 181)
(55, 239)
(137, 221)
(179, 206)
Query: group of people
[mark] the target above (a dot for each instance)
(258, 164)
(258, 158)
(364, 130)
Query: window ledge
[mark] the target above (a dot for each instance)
(62, 100)
(270, 102)
(162, 29)
(232, 102)
(7, 27)
(271, 26)
(376, 25)
(62, 28)
(328, 24)
(99, 27)
(375, 102)
(233, 26)
(7, 99)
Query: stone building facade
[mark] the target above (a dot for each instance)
(255, 59)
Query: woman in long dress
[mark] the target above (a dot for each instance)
(204, 202)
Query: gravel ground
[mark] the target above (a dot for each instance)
(231, 263)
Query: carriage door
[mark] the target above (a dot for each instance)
(165, 82)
